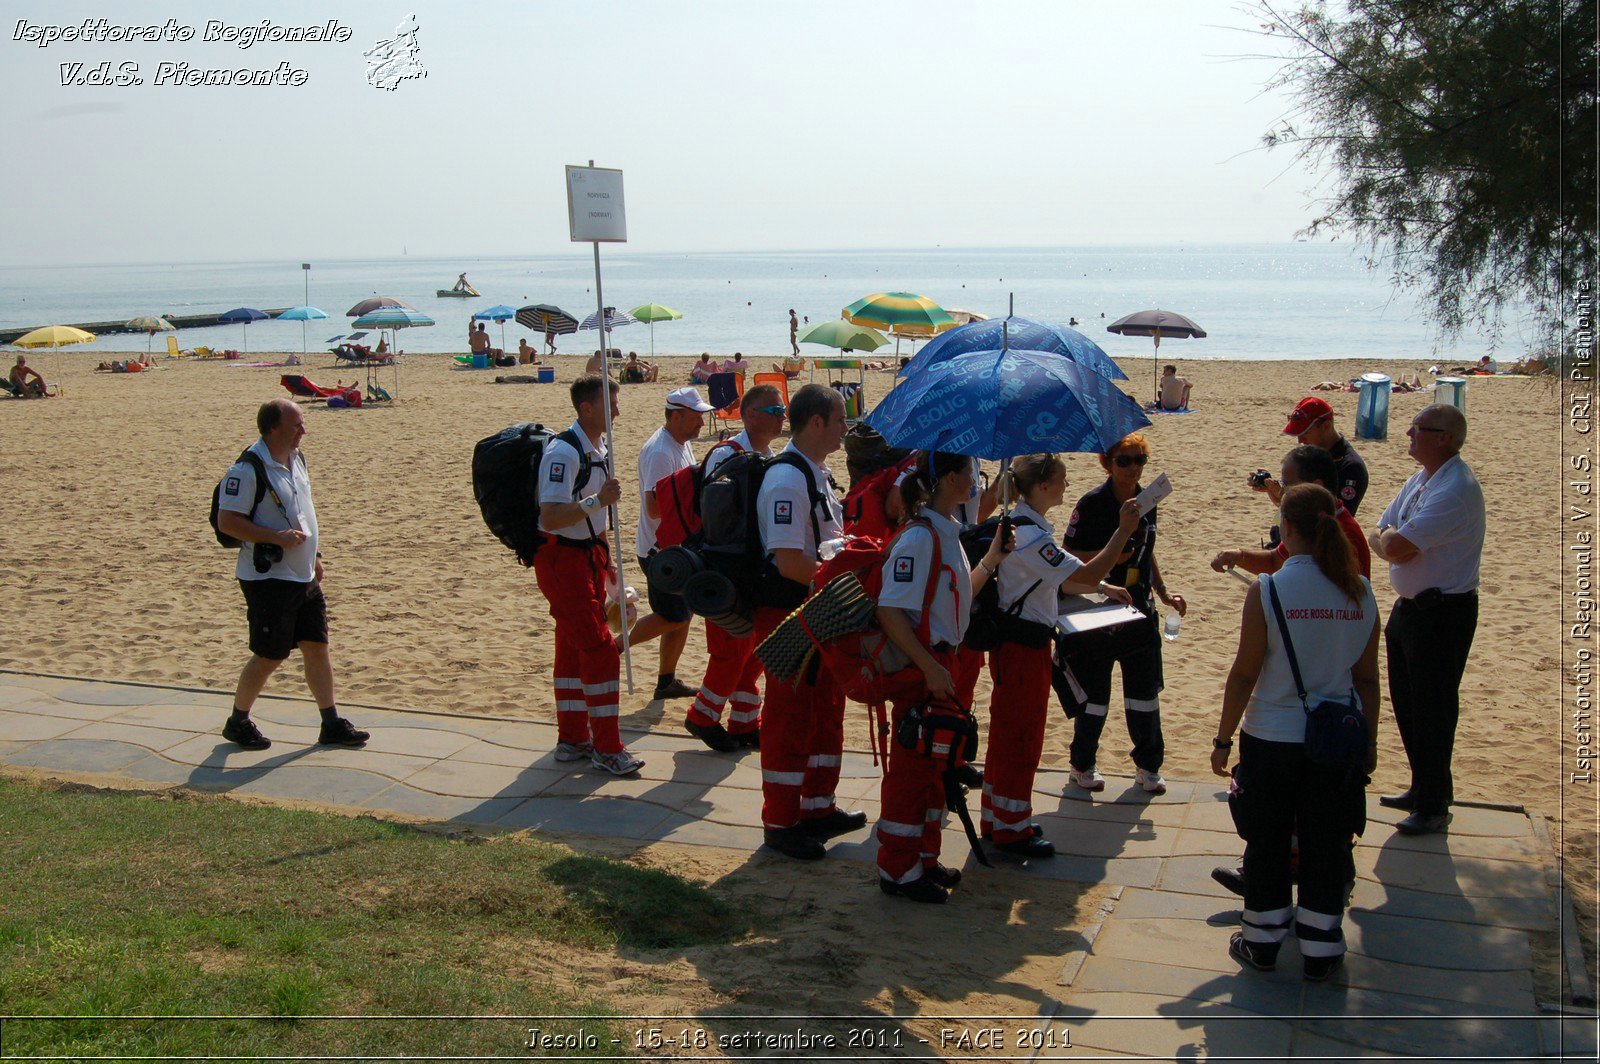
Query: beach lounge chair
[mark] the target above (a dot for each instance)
(779, 381)
(302, 387)
(173, 351)
(726, 389)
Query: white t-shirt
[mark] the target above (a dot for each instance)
(1037, 558)
(1329, 633)
(719, 453)
(557, 470)
(784, 507)
(294, 491)
(909, 567)
(660, 457)
(1444, 516)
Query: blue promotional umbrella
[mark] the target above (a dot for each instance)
(244, 316)
(1019, 334)
(302, 315)
(998, 404)
(501, 314)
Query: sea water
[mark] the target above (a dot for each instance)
(1281, 301)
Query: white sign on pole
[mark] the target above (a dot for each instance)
(594, 205)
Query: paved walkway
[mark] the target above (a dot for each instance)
(1439, 931)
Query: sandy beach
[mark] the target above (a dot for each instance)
(111, 570)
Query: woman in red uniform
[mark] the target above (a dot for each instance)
(1030, 577)
(926, 621)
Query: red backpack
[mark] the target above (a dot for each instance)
(678, 500)
(865, 512)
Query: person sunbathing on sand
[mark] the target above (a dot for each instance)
(791, 366)
(26, 381)
(737, 364)
(701, 371)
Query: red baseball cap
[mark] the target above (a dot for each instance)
(1310, 411)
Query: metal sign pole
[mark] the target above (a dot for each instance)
(611, 453)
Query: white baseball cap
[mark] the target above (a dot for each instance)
(687, 399)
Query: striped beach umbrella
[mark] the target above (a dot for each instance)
(372, 303)
(907, 312)
(149, 324)
(614, 319)
(552, 321)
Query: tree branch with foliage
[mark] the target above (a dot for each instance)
(1461, 140)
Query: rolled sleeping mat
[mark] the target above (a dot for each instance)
(713, 596)
(840, 608)
(671, 569)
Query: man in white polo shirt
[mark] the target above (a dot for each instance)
(664, 453)
(1432, 537)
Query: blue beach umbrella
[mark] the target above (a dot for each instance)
(501, 314)
(302, 315)
(393, 318)
(244, 316)
(997, 404)
(1017, 333)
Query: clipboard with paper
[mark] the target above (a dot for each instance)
(1077, 614)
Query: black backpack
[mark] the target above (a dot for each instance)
(729, 539)
(255, 462)
(505, 481)
(989, 625)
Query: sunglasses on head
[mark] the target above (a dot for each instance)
(775, 410)
(1126, 460)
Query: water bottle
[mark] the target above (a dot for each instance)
(1169, 630)
(828, 548)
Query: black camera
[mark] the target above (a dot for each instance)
(266, 556)
(1259, 478)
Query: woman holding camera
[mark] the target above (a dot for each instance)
(1031, 576)
(1332, 622)
(1090, 528)
(923, 609)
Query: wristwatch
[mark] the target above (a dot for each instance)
(1221, 744)
(591, 504)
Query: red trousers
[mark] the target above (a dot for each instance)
(731, 676)
(587, 668)
(802, 741)
(911, 826)
(1017, 713)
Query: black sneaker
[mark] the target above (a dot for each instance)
(713, 735)
(242, 731)
(1231, 878)
(1031, 847)
(674, 688)
(750, 740)
(792, 842)
(340, 732)
(943, 876)
(920, 889)
(1317, 969)
(1252, 954)
(837, 822)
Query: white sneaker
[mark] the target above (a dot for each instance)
(620, 763)
(574, 751)
(1088, 780)
(1151, 781)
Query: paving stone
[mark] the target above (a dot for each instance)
(495, 753)
(614, 817)
(1091, 838)
(1315, 1047)
(854, 766)
(864, 788)
(217, 752)
(1529, 914)
(662, 741)
(157, 769)
(331, 786)
(457, 779)
(1211, 816)
(153, 739)
(1123, 791)
(71, 755)
(1448, 874)
(1192, 875)
(9, 745)
(396, 767)
(1501, 847)
(193, 719)
(1184, 1029)
(1190, 943)
(28, 727)
(1141, 904)
(1501, 990)
(1437, 944)
(42, 684)
(1122, 871)
(1428, 1028)
(1570, 1036)
(410, 801)
(110, 694)
(42, 705)
(684, 797)
(1222, 847)
(689, 832)
(1264, 993)
(733, 808)
(1080, 805)
(1465, 820)
(416, 742)
(702, 766)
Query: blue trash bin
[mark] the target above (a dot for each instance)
(1451, 391)
(1372, 407)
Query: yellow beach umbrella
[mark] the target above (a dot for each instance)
(54, 337)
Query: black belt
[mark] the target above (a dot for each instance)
(1433, 597)
(943, 648)
(580, 544)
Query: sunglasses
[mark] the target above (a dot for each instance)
(1126, 460)
(775, 411)
(1425, 428)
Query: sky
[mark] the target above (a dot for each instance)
(739, 126)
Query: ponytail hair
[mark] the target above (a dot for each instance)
(924, 476)
(1028, 471)
(1309, 510)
